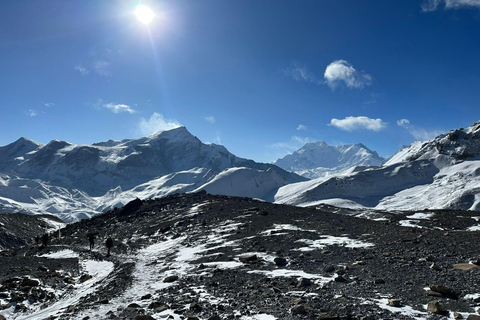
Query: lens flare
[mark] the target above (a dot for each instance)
(144, 14)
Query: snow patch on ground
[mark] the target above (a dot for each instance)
(67, 253)
(99, 270)
(403, 310)
(421, 215)
(331, 240)
(317, 279)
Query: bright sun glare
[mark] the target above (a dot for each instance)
(144, 13)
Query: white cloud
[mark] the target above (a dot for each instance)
(102, 68)
(403, 123)
(355, 123)
(418, 133)
(118, 108)
(49, 104)
(83, 71)
(293, 144)
(31, 113)
(156, 123)
(341, 71)
(301, 127)
(301, 74)
(210, 119)
(432, 5)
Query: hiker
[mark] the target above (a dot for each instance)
(109, 244)
(44, 240)
(91, 239)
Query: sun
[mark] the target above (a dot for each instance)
(144, 13)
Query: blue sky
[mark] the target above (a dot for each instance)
(261, 77)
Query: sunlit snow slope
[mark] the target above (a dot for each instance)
(440, 173)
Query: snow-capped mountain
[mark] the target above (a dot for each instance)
(318, 159)
(437, 174)
(76, 181)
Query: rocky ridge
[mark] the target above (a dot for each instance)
(198, 256)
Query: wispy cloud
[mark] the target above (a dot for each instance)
(102, 68)
(83, 71)
(301, 74)
(293, 144)
(210, 119)
(118, 108)
(340, 71)
(372, 98)
(356, 123)
(301, 127)
(432, 5)
(418, 133)
(49, 104)
(155, 123)
(31, 113)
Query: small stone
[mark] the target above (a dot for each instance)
(435, 307)
(145, 297)
(280, 262)
(340, 279)
(473, 317)
(301, 309)
(248, 258)
(195, 307)
(379, 281)
(144, 317)
(435, 267)
(85, 277)
(170, 279)
(29, 282)
(43, 268)
(215, 317)
(394, 303)
(304, 282)
(329, 269)
(329, 316)
(457, 315)
(447, 292)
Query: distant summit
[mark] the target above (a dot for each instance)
(442, 173)
(318, 159)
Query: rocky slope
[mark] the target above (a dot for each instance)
(18, 229)
(442, 173)
(318, 159)
(198, 256)
(78, 181)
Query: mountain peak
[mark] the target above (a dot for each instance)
(317, 159)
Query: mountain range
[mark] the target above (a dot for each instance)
(442, 173)
(78, 181)
(318, 159)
